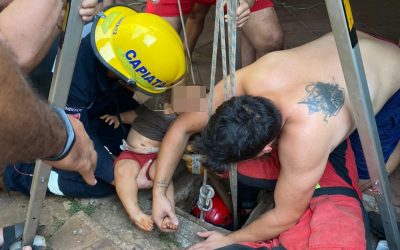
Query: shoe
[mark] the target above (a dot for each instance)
(12, 236)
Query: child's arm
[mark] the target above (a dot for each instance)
(126, 117)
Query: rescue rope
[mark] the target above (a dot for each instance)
(186, 42)
(206, 191)
(219, 8)
(232, 7)
(219, 27)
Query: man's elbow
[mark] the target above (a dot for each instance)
(26, 62)
(285, 219)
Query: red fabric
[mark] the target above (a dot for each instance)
(169, 8)
(330, 222)
(258, 5)
(261, 4)
(262, 168)
(139, 158)
(269, 168)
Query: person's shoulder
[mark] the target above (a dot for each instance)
(270, 72)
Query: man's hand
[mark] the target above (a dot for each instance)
(243, 12)
(142, 181)
(213, 240)
(163, 212)
(111, 119)
(89, 9)
(82, 158)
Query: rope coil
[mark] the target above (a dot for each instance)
(205, 203)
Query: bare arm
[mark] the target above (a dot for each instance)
(175, 140)
(27, 26)
(171, 150)
(170, 153)
(28, 125)
(303, 150)
(31, 130)
(302, 165)
(173, 145)
(128, 117)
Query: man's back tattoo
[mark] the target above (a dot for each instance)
(325, 97)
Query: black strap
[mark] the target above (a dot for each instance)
(336, 190)
(338, 160)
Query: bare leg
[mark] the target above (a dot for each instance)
(175, 21)
(247, 50)
(394, 160)
(264, 32)
(126, 172)
(392, 163)
(195, 24)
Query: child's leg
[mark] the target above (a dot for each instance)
(126, 172)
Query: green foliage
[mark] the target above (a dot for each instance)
(89, 209)
(75, 206)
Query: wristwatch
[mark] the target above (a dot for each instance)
(70, 135)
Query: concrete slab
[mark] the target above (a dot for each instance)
(81, 232)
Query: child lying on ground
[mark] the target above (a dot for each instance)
(139, 149)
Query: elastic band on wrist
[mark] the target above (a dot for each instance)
(70, 135)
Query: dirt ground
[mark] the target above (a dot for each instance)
(102, 223)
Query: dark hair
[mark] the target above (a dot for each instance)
(238, 130)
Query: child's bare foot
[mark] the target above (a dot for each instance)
(167, 224)
(143, 221)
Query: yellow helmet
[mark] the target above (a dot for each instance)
(141, 48)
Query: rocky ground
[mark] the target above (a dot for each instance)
(69, 223)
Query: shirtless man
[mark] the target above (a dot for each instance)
(312, 117)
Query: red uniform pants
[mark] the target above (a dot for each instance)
(335, 216)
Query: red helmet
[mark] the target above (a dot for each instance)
(219, 214)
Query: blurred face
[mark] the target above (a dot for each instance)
(189, 99)
(180, 99)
